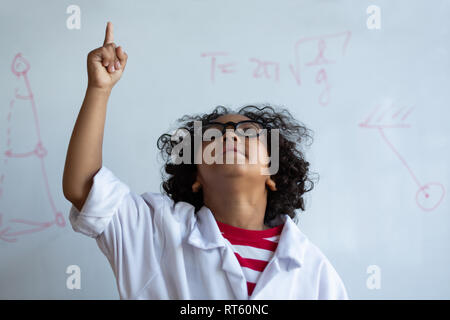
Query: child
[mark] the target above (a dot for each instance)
(221, 230)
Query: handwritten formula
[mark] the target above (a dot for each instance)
(310, 53)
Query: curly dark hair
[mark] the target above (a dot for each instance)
(293, 178)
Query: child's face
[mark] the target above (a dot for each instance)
(247, 147)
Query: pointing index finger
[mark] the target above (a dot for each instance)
(109, 33)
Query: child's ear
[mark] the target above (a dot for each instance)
(271, 184)
(196, 186)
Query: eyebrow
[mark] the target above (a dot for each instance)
(233, 121)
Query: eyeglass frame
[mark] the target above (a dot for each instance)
(235, 124)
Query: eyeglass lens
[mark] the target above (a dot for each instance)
(244, 128)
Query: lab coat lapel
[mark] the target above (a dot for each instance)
(289, 255)
(205, 234)
(234, 272)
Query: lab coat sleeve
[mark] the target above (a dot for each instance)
(331, 286)
(106, 195)
(126, 228)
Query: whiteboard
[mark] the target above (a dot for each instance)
(371, 83)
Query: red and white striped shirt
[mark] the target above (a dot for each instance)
(253, 249)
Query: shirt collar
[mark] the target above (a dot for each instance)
(205, 234)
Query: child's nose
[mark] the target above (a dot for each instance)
(230, 135)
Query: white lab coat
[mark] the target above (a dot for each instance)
(159, 249)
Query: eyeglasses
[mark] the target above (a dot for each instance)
(245, 128)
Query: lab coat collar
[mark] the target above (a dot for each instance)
(205, 234)
(291, 245)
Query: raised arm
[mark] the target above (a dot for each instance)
(105, 66)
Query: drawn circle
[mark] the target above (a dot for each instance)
(60, 221)
(430, 195)
(20, 65)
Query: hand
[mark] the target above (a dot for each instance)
(106, 64)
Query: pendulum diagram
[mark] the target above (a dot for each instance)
(24, 211)
(428, 195)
